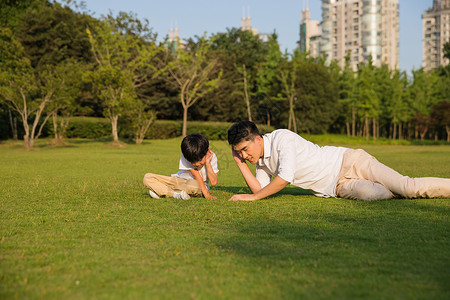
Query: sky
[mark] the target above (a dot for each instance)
(195, 17)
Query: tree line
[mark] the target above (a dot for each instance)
(58, 61)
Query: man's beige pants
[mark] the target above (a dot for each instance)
(365, 178)
(167, 185)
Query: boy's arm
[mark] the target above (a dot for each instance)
(212, 176)
(199, 179)
(276, 185)
(250, 179)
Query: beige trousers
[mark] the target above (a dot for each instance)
(167, 185)
(365, 178)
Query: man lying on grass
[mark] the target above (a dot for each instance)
(326, 171)
(198, 167)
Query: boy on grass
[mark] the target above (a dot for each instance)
(198, 168)
(326, 171)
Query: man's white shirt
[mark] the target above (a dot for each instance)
(185, 166)
(300, 162)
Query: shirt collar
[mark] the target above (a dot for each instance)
(267, 149)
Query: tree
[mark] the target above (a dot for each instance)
(347, 81)
(288, 77)
(441, 113)
(124, 50)
(425, 92)
(317, 104)
(51, 33)
(191, 72)
(20, 90)
(67, 75)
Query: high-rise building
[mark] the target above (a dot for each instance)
(361, 29)
(246, 24)
(436, 32)
(174, 41)
(309, 34)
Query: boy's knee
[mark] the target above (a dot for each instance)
(148, 178)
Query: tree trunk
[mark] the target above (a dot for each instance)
(268, 118)
(55, 125)
(394, 133)
(13, 125)
(366, 127)
(353, 122)
(185, 114)
(247, 100)
(115, 134)
(423, 133)
(374, 128)
(142, 130)
(294, 121)
(347, 126)
(447, 128)
(400, 135)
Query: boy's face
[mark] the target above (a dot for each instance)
(250, 150)
(199, 164)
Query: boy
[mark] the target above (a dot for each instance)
(198, 167)
(326, 171)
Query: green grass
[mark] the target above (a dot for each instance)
(77, 223)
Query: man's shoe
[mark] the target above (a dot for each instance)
(181, 195)
(153, 194)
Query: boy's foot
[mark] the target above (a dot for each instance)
(153, 194)
(181, 195)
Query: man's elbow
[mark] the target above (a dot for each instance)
(213, 183)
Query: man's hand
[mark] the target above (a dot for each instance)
(236, 157)
(243, 197)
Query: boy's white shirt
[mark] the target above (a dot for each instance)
(300, 162)
(185, 166)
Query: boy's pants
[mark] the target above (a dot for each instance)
(365, 178)
(167, 185)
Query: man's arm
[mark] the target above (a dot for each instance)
(276, 185)
(250, 179)
(199, 179)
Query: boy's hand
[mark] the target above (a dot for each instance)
(209, 156)
(211, 197)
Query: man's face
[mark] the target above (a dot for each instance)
(250, 150)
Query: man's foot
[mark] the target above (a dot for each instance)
(181, 195)
(153, 194)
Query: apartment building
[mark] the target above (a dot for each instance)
(436, 32)
(361, 29)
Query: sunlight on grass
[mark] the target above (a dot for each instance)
(77, 222)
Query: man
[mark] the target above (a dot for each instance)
(326, 171)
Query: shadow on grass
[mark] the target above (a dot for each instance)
(399, 245)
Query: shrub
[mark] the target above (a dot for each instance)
(88, 128)
(94, 128)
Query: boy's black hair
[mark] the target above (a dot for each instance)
(242, 131)
(194, 147)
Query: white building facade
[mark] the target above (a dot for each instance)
(436, 32)
(361, 29)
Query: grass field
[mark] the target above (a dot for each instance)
(77, 223)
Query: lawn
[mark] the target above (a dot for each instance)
(77, 223)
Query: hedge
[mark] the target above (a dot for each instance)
(95, 128)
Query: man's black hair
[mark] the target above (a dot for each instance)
(194, 147)
(242, 131)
